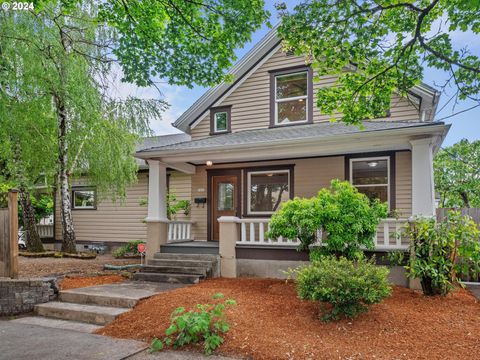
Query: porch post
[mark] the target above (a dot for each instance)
(228, 234)
(157, 221)
(423, 191)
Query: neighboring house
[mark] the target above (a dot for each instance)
(259, 141)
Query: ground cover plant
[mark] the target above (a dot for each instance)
(205, 323)
(348, 218)
(441, 252)
(271, 322)
(348, 286)
(128, 250)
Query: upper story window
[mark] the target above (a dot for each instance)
(371, 176)
(84, 198)
(220, 120)
(291, 97)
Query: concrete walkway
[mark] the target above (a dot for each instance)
(475, 289)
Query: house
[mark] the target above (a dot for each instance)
(259, 141)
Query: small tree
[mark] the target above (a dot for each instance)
(443, 250)
(347, 217)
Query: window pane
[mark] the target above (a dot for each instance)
(268, 191)
(375, 192)
(291, 85)
(225, 196)
(291, 111)
(84, 198)
(221, 121)
(369, 172)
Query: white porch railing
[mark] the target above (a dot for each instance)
(179, 230)
(252, 232)
(45, 231)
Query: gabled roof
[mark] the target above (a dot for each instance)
(320, 131)
(426, 96)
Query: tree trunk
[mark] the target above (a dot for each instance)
(68, 231)
(33, 241)
(465, 199)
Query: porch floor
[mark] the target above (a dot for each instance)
(191, 247)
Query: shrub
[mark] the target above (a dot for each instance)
(205, 323)
(347, 217)
(442, 250)
(129, 248)
(347, 285)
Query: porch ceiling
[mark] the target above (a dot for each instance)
(311, 140)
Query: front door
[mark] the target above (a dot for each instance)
(225, 199)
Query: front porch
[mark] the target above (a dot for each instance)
(234, 191)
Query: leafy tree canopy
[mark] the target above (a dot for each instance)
(377, 47)
(457, 174)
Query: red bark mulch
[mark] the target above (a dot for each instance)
(84, 281)
(270, 322)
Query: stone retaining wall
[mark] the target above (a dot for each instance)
(20, 295)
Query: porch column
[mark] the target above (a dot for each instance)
(157, 221)
(228, 237)
(423, 190)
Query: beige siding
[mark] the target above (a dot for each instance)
(251, 100)
(112, 221)
(403, 181)
(310, 176)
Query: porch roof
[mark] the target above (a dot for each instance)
(324, 138)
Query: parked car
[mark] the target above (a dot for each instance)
(22, 245)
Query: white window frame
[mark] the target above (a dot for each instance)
(249, 195)
(93, 207)
(305, 97)
(215, 129)
(371, 185)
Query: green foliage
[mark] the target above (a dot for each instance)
(443, 250)
(128, 249)
(42, 206)
(174, 205)
(376, 48)
(456, 174)
(348, 286)
(347, 217)
(204, 323)
(185, 42)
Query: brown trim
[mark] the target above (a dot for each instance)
(392, 156)
(246, 170)
(213, 111)
(293, 69)
(262, 253)
(236, 81)
(80, 188)
(220, 172)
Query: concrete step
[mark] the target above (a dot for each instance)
(175, 256)
(79, 297)
(91, 314)
(166, 277)
(180, 262)
(202, 271)
(57, 324)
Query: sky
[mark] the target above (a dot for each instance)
(464, 125)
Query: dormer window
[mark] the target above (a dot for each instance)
(220, 121)
(291, 97)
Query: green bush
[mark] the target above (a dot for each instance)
(348, 218)
(129, 248)
(347, 285)
(441, 251)
(205, 323)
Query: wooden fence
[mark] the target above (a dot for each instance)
(9, 234)
(473, 212)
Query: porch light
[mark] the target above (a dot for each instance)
(209, 163)
(372, 163)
